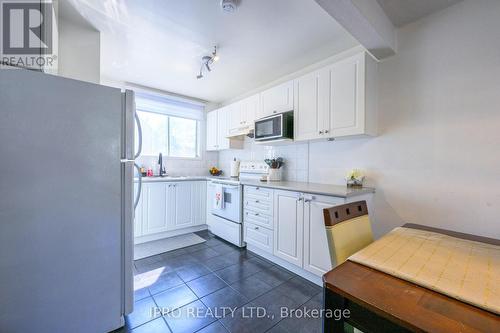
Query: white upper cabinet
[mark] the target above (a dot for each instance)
(223, 128)
(347, 93)
(218, 122)
(312, 101)
(250, 109)
(242, 113)
(212, 133)
(337, 101)
(276, 99)
(235, 116)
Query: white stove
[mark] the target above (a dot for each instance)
(225, 215)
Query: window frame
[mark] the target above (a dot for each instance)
(198, 148)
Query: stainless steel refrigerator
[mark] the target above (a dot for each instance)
(66, 204)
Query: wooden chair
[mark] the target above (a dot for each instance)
(348, 230)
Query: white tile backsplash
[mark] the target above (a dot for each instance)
(182, 167)
(295, 155)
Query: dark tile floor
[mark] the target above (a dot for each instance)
(217, 287)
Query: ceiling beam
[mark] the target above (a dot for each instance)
(366, 21)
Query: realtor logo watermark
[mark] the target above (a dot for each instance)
(27, 33)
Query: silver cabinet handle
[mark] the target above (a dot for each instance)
(256, 228)
(256, 201)
(257, 214)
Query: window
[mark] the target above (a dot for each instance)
(170, 128)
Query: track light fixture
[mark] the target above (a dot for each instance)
(206, 61)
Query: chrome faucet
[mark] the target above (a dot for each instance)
(162, 168)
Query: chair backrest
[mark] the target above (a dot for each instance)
(348, 230)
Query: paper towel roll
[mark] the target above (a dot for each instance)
(235, 168)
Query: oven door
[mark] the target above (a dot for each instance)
(269, 128)
(231, 208)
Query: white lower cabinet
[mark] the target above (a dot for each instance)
(169, 206)
(180, 196)
(316, 252)
(288, 226)
(156, 210)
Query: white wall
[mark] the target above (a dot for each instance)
(79, 50)
(436, 160)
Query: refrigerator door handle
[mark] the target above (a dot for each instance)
(139, 135)
(139, 186)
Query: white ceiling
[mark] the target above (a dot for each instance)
(159, 43)
(402, 12)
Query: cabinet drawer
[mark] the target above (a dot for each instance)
(261, 192)
(258, 236)
(258, 218)
(258, 205)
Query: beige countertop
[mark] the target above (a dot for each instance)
(313, 188)
(170, 179)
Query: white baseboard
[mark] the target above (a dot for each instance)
(285, 264)
(166, 234)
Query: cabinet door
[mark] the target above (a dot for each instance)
(199, 202)
(212, 130)
(276, 99)
(235, 116)
(316, 253)
(288, 226)
(222, 128)
(180, 198)
(250, 109)
(138, 213)
(347, 97)
(157, 210)
(312, 102)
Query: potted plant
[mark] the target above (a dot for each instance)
(355, 178)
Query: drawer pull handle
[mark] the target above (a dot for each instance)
(256, 214)
(256, 228)
(257, 188)
(256, 201)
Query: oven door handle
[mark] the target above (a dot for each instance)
(232, 187)
(226, 185)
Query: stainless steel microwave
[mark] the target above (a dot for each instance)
(275, 127)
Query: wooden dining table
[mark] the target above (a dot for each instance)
(379, 302)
